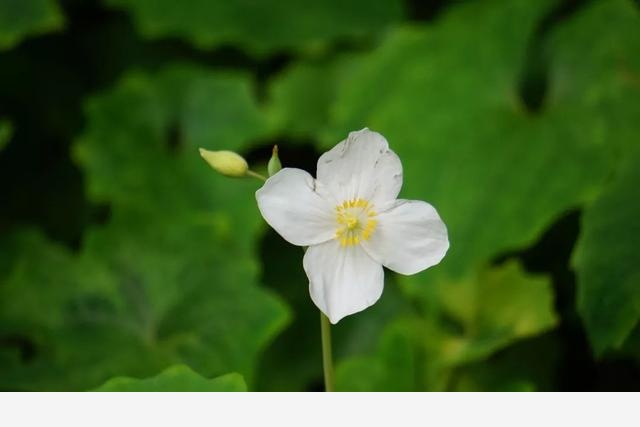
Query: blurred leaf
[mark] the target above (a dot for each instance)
(176, 378)
(528, 365)
(392, 367)
(483, 378)
(21, 18)
(171, 278)
(151, 149)
(480, 316)
(607, 261)
(497, 307)
(467, 143)
(294, 359)
(262, 26)
(6, 131)
(58, 322)
(595, 73)
(301, 95)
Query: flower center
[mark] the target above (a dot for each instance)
(356, 221)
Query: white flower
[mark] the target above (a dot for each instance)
(353, 224)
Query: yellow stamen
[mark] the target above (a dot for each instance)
(356, 222)
(352, 222)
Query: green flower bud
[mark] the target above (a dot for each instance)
(227, 163)
(274, 164)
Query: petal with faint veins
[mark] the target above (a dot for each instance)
(361, 166)
(409, 237)
(342, 280)
(293, 203)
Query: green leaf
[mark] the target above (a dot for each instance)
(19, 19)
(607, 261)
(474, 318)
(467, 144)
(595, 73)
(262, 26)
(477, 317)
(166, 119)
(596, 70)
(528, 365)
(6, 131)
(176, 378)
(460, 129)
(499, 306)
(392, 367)
(300, 97)
(172, 277)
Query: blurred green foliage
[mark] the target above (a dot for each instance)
(123, 256)
(262, 27)
(607, 253)
(20, 18)
(176, 378)
(6, 130)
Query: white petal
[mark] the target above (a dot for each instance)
(342, 280)
(292, 203)
(409, 237)
(361, 166)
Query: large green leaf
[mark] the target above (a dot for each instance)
(301, 96)
(497, 174)
(21, 18)
(391, 367)
(262, 26)
(171, 278)
(176, 378)
(467, 143)
(595, 73)
(528, 365)
(607, 261)
(493, 309)
(480, 316)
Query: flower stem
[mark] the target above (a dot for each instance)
(327, 358)
(256, 175)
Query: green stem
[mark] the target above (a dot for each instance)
(327, 358)
(256, 175)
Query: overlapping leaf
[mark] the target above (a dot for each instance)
(595, 73)
(300, 97)
(262, 26)
(172, 277)
(19, 19)
(597, 67)
(176, 378)
(607, 260)
(393, 366)
(529, 365)
(480, 316)
(497, 174)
